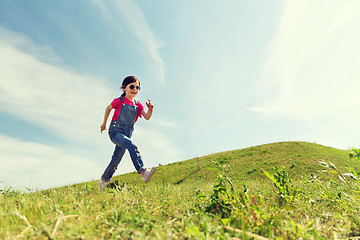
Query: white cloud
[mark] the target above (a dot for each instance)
(41, 166)
(310, 69)
(49, 97)
(134, 17)
(68, 105)
(311, 78)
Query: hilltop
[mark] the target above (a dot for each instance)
(300, 158)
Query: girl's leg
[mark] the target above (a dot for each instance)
(124, 142)
(115, 160)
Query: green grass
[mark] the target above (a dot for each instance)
(197, 199)
(248, 163)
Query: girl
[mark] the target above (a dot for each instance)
(127, 111)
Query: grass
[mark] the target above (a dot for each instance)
(301, 158)
(197, 199)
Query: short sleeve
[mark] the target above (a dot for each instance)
(116, 103)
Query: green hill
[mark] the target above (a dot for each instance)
(182, 201)
(300, 158)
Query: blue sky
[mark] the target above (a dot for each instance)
(221, 76)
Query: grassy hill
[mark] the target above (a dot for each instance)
(300, 158)
(184, 201)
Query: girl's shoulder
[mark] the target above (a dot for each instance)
(116, 102)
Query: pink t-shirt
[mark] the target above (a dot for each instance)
(117, 103)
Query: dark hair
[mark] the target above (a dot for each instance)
(127, 81)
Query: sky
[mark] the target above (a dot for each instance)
(222, 76)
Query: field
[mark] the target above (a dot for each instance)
(287, 190)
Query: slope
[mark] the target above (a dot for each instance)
(300, 158)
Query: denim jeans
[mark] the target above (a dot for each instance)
(122, 143)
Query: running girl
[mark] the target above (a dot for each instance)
(127, 111)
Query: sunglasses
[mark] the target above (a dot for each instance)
(133, 86)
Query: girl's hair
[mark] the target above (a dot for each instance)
(127, 81)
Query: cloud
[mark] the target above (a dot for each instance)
(50, 97)
(310, 69)
(134, 17)
(66, 104)
(40, 165)
(310, 76)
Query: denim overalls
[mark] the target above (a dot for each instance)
(120, 132)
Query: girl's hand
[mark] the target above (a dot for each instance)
(150, 105)
(102, 127)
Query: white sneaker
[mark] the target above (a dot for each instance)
(102, 184)
(147, 174)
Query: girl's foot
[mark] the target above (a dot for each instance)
(147, 174)
(102, 184)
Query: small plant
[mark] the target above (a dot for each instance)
(355, 153)
(222, 197)
(330, 165)
(285, 190)
(9, 192)
(229, 204)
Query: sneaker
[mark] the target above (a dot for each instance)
(147, 174)
(102, 184)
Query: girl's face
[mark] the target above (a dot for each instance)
(131, 90)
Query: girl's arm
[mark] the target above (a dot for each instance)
(147, 114)
(106, 116)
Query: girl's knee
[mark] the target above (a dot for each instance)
(130, 144)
